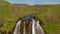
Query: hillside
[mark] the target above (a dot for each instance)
(49, 14)
(7, 16)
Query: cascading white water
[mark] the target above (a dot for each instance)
(33, 27)
(16, 31)
(36, 25)
(39, 28)
(36, 28)
(24, 29)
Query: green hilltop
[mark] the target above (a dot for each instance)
(49, 14)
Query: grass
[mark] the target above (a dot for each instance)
(49, 14)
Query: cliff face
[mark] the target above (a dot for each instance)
(28, 27)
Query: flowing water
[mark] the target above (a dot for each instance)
(16, 31)
(36, 28)
(33, 27)
(39, 28)
(24, 29)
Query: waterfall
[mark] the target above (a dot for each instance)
(17, 27)
(24, 29)
(33, 27)
(39, 28)
(36, 27)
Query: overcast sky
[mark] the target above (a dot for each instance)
(35, 1)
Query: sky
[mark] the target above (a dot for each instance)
(32, 2)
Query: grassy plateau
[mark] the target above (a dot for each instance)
(49, 14)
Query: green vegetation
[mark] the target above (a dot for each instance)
(7, 17)
(49, 14)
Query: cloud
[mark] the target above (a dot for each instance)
(49, 2)
(31, 4)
